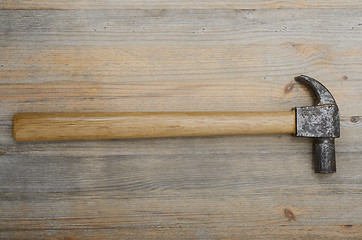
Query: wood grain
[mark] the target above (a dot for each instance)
(77, 126)
(178, 4)
(221, 57)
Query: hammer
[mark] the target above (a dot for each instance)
(319, 121)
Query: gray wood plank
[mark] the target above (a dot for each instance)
(177, 4)
(178, 60)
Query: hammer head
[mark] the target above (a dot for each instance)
(319, 121)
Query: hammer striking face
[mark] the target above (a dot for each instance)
(320, 121)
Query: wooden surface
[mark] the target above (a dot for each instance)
(134, 56)
(88, 126)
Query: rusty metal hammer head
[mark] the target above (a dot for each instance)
(321, 122)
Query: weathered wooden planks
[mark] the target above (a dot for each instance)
(182, 27)
(179, 4)
(178, 60)
(173, 188)
(212, 58)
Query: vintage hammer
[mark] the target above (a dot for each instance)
(320, 121)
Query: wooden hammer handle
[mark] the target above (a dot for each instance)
(72, 126)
